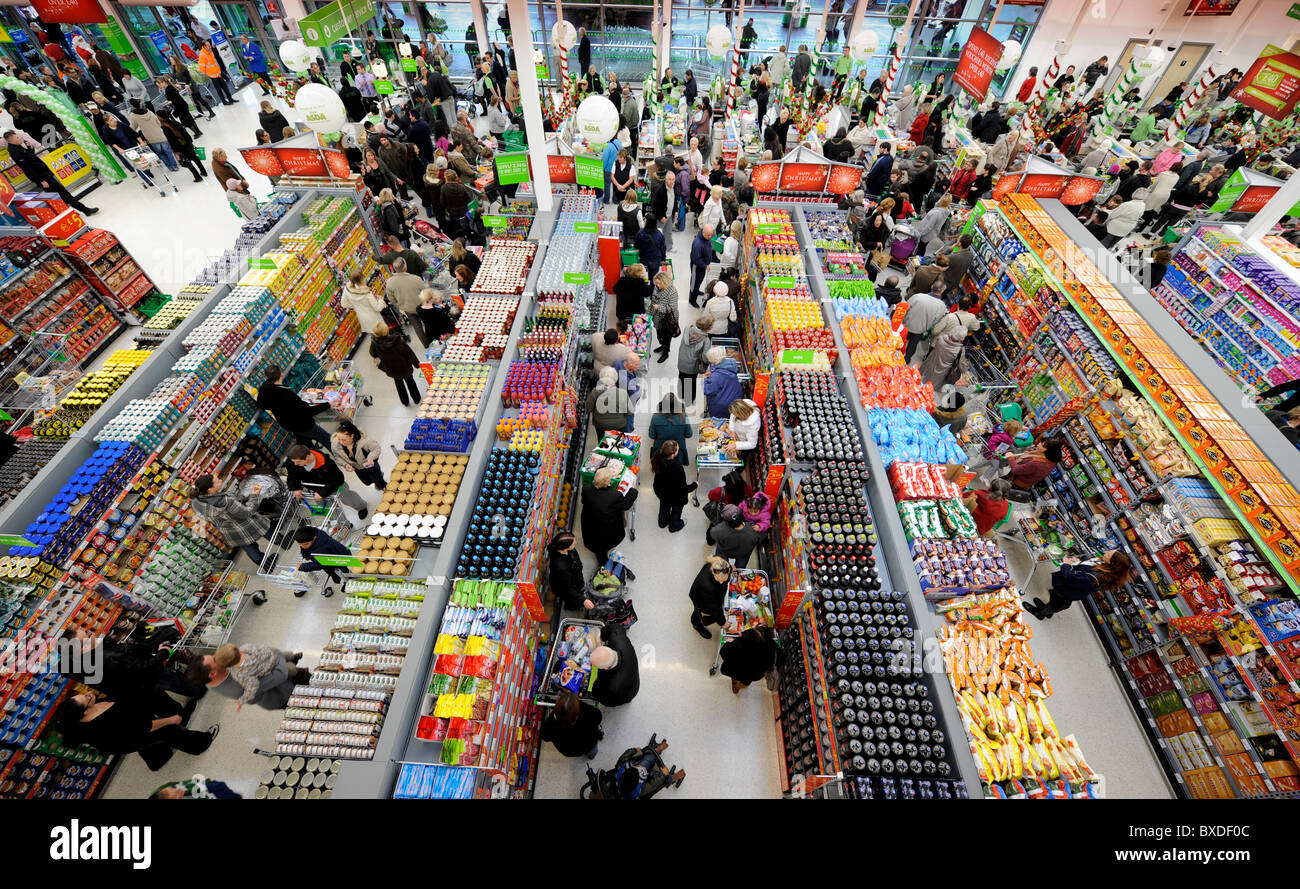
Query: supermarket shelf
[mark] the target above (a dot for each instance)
(46, 292)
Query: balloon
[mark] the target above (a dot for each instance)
(1149, 61)
(865, 44)
(296, 56)
(564, 34)
(321, 107)
(718, 40)
(597, 119)
(1010, 55)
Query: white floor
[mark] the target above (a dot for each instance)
(726, 743)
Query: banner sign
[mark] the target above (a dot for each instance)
(563, 169)
(335, 21)
(70, 12)
(589, 171)
(1213, 7)
(512, 168)
(975, 67)
(1272, 85)
(303, 159)
(804, 177)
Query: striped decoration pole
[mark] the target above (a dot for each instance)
(1114, 101)
(887, 83)
(736, 30)
(564, 68)
(1036, 100)
(1179, 120)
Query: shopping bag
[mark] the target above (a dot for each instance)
(200, 152)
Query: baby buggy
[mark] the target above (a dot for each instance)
(904, 244)
(639, 773)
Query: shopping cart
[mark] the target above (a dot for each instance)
(147, 166)
(748, 604)
(280, 565)
(339, 385)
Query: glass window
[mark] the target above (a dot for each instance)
(452, 22)
(149, 35)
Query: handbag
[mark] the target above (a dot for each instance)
(674, 329)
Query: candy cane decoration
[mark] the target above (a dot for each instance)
(1114, 101)
(564, 67)
(887, 82)
(1040, 92)
(735, 75)
(1179, 120)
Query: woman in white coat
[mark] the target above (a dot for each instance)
(1159, 190)
(905, 108)
(711, 213)
(362, 300)
(929, 231)
(1124, 218)
(1004, 151)
(731, 246)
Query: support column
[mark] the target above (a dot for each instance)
(664, 55)
(521, 38)
(855, 23)
(481, 32)
(1278, 206)
(895, 63)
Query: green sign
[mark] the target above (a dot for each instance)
(781, 283)
(384, 87)
(798, 356)
(512, 168)
(339, 561)
(543, 73)
(408, 64)
(577, 277)
(588, 227)
(1294, 11)
(589, 170)
(257, 262)
(14, 540)
(494, 221)
(4, 415)
(335, 21)
(767, 228)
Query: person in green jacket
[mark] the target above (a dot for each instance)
(1145, 129)
(843, 68)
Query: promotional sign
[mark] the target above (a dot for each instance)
(1046, 180)
(70, 12)
(804, 177)
(14, 540)
(4, 35)
(1042, 185)
(577, 277)
(69, 163)
(589, 171)
(339, 561)
(334, 21)
(1272, 84)
(1294, 11)
(978, 59)
(303, 159)
(224, 49)
(384, 87)
(7, 192)
(64, 228)
(563, 169)
(262, 160)
(159, 40)
(495, 221)
(408, 64)
(1247, 191)
(766, 176)
(1213, 7)
(844, 179)
(512, 168)
(589, 228)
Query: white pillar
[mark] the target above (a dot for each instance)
(1278, 206)
(521, 37)
(481, 32)
(852, 31)
(665, 40)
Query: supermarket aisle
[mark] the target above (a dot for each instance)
(725, 742)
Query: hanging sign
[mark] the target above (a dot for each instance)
(589, 171)
(978, 59)
(1272, 84)
(512, 168)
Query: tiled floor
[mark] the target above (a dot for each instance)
(726, 743)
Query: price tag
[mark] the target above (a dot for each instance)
(588, 227)
(577, 277)
(781, 283)
(258, 262)
(14, 540)
(339, 561)
(767, 228)
(495, 221)
(384, 87)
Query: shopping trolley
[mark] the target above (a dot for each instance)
(748, 604)
(147, 165)
(280, 565)
(337, 384)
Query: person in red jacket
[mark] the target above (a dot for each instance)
(922, 121)
(989, 507)
(962, 180)
(1032, 467)
(1027, 88)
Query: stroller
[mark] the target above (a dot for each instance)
(608, 590)
(904, 244)
(639, 773)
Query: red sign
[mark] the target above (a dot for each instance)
(1071, 190)
(1080, 190)
(1253, 199)
(262, 160)
(1042, 185)
(804, 177)
(1006, 184)
(1211, 7)
(844, 179)
(975, 67)
(64, 226)
(561, 168)
(1272, 85)
(302, 161)
(70, 12)
(7, 191)
(766, 176)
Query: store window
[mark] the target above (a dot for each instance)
(150, 35)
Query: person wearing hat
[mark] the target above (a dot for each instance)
(721, 309)
(732, 538)
(237, 193)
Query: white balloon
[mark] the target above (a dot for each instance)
(718, 41)
(564, 34)
(296, 56)
(1010, 54)
(321, 106)
(865, 44)
(1149, 61)
(597, 119)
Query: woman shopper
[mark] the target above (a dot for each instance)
(943, 363)
(990, 507)
(233, 516)
(376, 178)
(651, 246)
(355, 453)
(358, 297)
(573, 726)
(670, 424)
(670, 486)
(1076, 580)
(564, 566)
(455, 203)
(631, 291)
(182, 145)
(1159, 192)
(435, 314)
(1181, 202)
(1031, 467)
(711, 213)
(720, 310)
(630, 216)
(608, 404)
(708, 595)
(745, 420)
(929, 232)
(392, 221)
(248, 664)
(396, 359)
(731, 246)
(721, 384)
(664, 312)
(129, 726)
(272, 120)
(146, 123)
(603, 509)
(691, 360)
(749, 657)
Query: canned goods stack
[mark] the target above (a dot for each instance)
(298, 777)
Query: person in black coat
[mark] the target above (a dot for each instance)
(312, 472)
(180, 108)
(631, 292)
(565, 567)
(618, 676)
(1139, 178)
(573, 726)
(987, 127)
(1076, 580)
(670, 486)
(602, 514)
(129, 726)
(748, 657)
(290, 411)
(708, 592)
(584, 50)
(315, 542)
(273, 121)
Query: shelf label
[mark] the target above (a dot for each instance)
(767, 228)
(339, 561)
(577, 277)
(781, 283)
(587, 227)
(384, 87)
(494, 221)
(798, 356)
(258, 262)
(15, 540)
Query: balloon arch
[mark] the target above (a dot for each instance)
(72, 118)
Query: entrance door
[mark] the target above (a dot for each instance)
(1180, 68)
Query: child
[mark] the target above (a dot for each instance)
(757, 510)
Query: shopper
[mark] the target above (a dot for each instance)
(1124, 219)
(248, 665)
(708, 595)
(355, 453)
(146, 123)
(314, 542)
(744, 424)
(182, 145)
(958, 262)
(721, 382)
(603, 509)
(720, 309)
(272, 120)
(435, 315)
(701, 259)
(670, 486)
(733, 538)
(630, 218)
(130, 725)
(631, 292)
(1031, 467)
(606, 349)
(943, 364)
(1076, 580)
(924, 277)
(989, 508)
(757, 511)
(670, 424)
(731, 246)
(397, 360)
(235, 518)
(35, 169)
(651, 247)
(1290, 388)
(573, 726)
(564, 565)
(618, 677)
(403, 290)
(691, 360)
(311, 472)
(923, 312)
(664, 311)
(608, 403)
(289, 410)
(750, 657)
(1181, 202)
